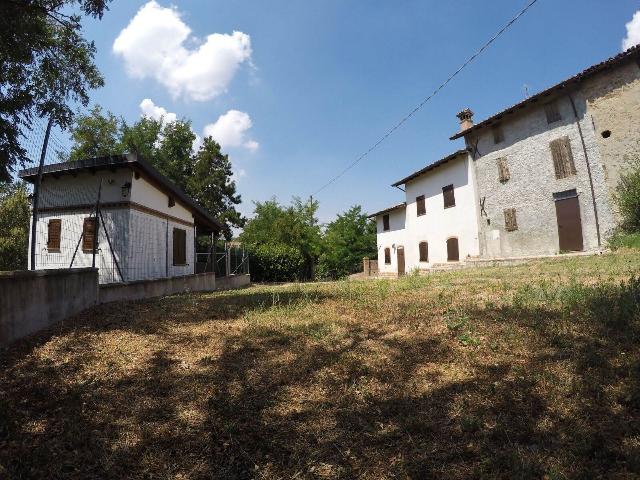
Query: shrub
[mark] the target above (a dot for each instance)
(14, 227)
(621, 239)
(276, 263)
(627, 199)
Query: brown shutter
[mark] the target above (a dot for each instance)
(421, 208)
(385, 222)
(503, 170)
(387, 256)
(562, 157)
(424, 251)
(453, 255)
(449, 196)
(53, 235)
(88, 234)
(552, 112)
(510, 220)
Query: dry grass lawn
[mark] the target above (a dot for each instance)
(521, 372)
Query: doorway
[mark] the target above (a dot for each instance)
(569, 221)
(453, 254)
(400, 255)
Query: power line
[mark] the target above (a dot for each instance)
(435, 92)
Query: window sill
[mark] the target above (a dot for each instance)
(421, 214)
(180, 264)
(53, 250)
(450, 206)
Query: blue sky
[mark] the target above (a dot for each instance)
(311, 85)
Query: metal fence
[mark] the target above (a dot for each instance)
(225, 259)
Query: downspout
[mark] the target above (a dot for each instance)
(166, 251)
(586, 157)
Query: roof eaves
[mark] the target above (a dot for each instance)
(430, 167)
(390, 209)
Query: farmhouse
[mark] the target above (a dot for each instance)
(535, 179)
(547, 168)
(437, 222)
(147, 226)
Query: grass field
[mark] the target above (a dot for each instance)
(520, 372)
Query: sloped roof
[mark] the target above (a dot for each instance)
(430, 167)
(129, 160)
(390, 209)
(599, 67)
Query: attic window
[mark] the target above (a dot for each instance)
(172, 202)
(385, 223)
(606, 134)
(552, 112)
(498, 134)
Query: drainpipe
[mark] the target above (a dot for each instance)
(586, 157)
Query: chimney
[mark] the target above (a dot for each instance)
(466, 119)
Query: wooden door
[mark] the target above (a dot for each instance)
(400, 255)
(453, 254)
(569, 224)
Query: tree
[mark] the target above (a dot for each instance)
(349, 238)
(14, 226)
(211, 185)
(95, 135)
(295, 226)
(45, 66)
(205, 175)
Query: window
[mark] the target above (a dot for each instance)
(498, 134)
(53, 235)
(562, 157)
(449, 196)
(88, 234)
(424, 251)
(421, 208)
(552, 112)
(503, 170)
(179, 246)
(387, 256)
(385, 223)
(510, 220)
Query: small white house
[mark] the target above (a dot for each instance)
(436, 224)
(149, 225)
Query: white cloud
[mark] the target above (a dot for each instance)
(153, 45)
(633, 32)
(151, 110)
(230, 130)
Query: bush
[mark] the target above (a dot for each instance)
(627, 199)
(276, 263)
(14, 227)
(621, 239)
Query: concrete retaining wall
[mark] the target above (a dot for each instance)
(116, 292)
(34, 300)
(232, 282)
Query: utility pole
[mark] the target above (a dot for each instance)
(36, 194)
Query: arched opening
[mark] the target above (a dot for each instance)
(424, 251)
(387, 256)
(453, 254)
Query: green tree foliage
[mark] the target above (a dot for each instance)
(14, 226)
(205, 175)
(347, 239)
(627, 199)
(295, 226)
(95, 135)
(212, 186)
(45, 66)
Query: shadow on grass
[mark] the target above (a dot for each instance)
(372, 404)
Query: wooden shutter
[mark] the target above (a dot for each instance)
(552, 112)
(453, 255)
(88, 234)
(387, 256)
(179, 246)
(562, 157)
(510, 220)
(498, 134)
(424, 251)
(449, 196)
(421, 208)
(503, 170)
(53, 234)
(385, 222)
